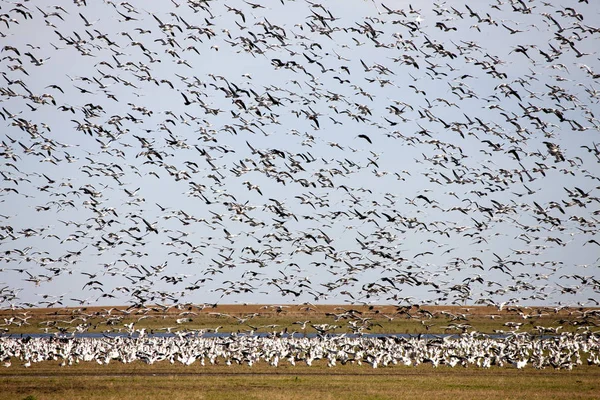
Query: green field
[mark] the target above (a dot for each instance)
(174, 382)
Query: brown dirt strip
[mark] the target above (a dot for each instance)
(275, 309)
(429, 373)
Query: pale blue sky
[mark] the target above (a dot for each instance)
(468, 67)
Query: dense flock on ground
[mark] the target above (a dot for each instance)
(199, 152)
(518, 350)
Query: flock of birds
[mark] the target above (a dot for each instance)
(200, 152)
(519, 351)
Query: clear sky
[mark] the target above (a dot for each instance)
(288, 151)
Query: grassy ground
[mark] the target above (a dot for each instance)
(174, 382)
(259, 318)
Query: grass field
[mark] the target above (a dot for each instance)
(46, 380)
(175, 382)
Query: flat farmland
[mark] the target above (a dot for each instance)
(298, 318)
(165, 381)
